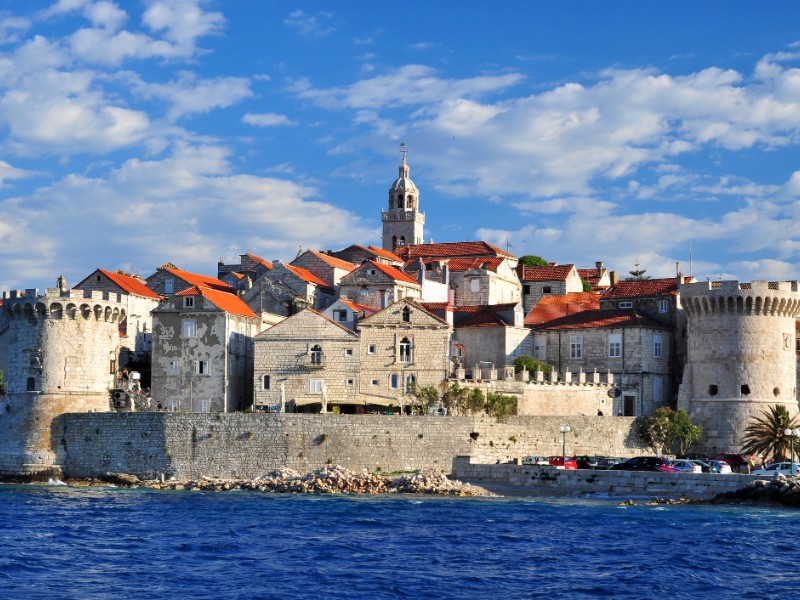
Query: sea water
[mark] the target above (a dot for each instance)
(96, 542)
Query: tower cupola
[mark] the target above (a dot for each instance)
(403, 223)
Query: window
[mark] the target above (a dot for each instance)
(189, 328)
(188, 302)
(351, 382)
(406, 315)
(174, 367)
(657, 385)
(201, 367)
(375, 383)
(315, 386)
(474, 285)
(169, 285)
(173, 404)
(203, 405)
(745, 389)
(316, 354)
(547, 289)
(405, 350)
(266, 383)
(540, 347)
(662, 306)
(340, 315)
(625, 304)
(411, 381)
(614, 345)
(657, 348)
(372, 349)
(348, 352)
(526, 289)
(576, 346)
(713, 390)
(394, 381)
(31, 385)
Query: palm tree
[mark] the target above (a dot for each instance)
(765, 434)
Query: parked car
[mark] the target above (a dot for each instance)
(723, 467)
(586, 462)
(734, 460)
(606, 462)
(706, 466)
(644, 463)
(695, 456)
(535, 460)
(561, 462)
(784, 468)
(685, 466)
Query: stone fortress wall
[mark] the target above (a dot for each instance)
(741, 355)
(58, 353)
(193, 445)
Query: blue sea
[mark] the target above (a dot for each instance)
(95, 542)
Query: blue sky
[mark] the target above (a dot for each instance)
(136, 133)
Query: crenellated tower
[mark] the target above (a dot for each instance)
(403, 223)
(59, 353)
(741, 355)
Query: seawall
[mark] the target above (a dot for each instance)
(523, 480)
(191, 445)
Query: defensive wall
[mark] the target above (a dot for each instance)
(534, 480)
(191, 445)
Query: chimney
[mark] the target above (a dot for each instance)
(614, 277)
(599, 265)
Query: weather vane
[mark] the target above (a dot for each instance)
(404, 150)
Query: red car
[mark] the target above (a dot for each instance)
(561, 462)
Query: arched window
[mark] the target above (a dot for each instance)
(400, 201)
(316, 354)
(409, 203)
(411, 381)
(406, 315)
(394, 381)
(405, 350)
(402, 240)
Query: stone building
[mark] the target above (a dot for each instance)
(634, 348)
(741, 355)
(348, 313)
(552, 280)
(287, 289)
(378, 285)
(403, 223)
(489, 336)
(328, 268)
(306, 362)
(599, 277)
(169, 279)
(358, 254)
(242, 275)
(203, 352)
(136, 329)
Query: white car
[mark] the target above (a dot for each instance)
(784, 468)
(685, 466)
(724, 468)
(535, 460)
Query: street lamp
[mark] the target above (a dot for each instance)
(564, 429)
(791, 434)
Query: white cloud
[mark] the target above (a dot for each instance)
(267, 119)
(309, 25)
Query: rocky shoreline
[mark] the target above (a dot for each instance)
(331, 479)
(779, 491)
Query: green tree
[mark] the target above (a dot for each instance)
(765, 435)
(654, 430)
(587, 287)
(454, 398)
(2, 385)
(475, 402)
(530, 363)
(500, 406)
(681, 433)
(424, 397)
(531, 260)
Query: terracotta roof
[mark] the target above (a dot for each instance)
(259, 260)
(332, 261)
(549, 273)
(237, 275)
(466, 263)
(484, 319)
(555, 307)
(450, 250)
(643, 288)
(394, 273)
(438, 306)
(355, 306)
(306, 275)
(487, 307)
(130, 284)
(201, 280)
(594, 319)
(384, 253)
(230, 303)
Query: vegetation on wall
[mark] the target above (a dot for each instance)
(765, 435)
(462, 401)
(531, 364)
(2, 385)
(669, 430)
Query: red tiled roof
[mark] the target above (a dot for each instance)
(384, 253)
(438, 306)
(129, 284)
(555, 307)
(201, 280)
(549, 273)
(484, 319)
(469, 262)
(643, 288)
(486, 307)
(259, 260)
(394, 273)
(355, 306)
(594, 319)
(450, 249)
(230, 303)
(332, 261)
(306, 275)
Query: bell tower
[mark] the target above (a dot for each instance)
(403, 223)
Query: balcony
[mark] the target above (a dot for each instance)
(314, 360)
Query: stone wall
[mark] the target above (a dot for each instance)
(188, 445)
(521, 480)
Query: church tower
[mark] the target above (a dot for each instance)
(403, 224)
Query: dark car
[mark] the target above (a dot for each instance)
(606, 462)
(644, 463)
(695, 456)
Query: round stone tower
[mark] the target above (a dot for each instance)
(741, 355)
(58, 354)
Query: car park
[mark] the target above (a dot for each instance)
(784, 468)
(644, 463)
